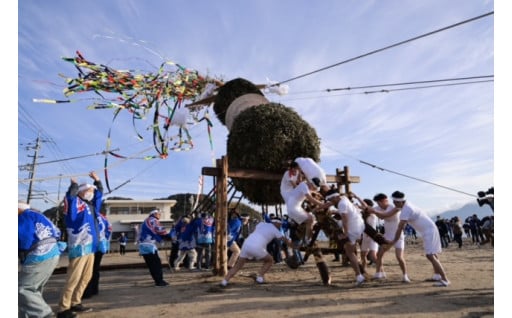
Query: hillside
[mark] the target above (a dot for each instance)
(468, 210)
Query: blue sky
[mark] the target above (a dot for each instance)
(434, 144)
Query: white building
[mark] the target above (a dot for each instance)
(127, 215)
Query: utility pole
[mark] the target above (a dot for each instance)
(32, 169)
(184, 203)
(58, 193)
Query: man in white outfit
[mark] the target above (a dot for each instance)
(294, 201)
(353, 228)
(291, 178)
(391, 216)
(369, 247)
(428, 230)
(255, 247)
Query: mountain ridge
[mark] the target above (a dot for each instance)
(467, 210)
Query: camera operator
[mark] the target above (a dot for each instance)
(486, 197)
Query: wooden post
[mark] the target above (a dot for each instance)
(346, 173)
(221, 218)
(344, 179)
(339, 179)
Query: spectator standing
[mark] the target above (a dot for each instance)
(410, 234)
(442, 227)
(205, 232)
(488, 230)
(123, 241)
(38, 252)
(104, 230)
(450, 230)
(466, 228)
(187, 242)
(82, 206)
(474, 227)
(151, 233)
(428, 230)
(175, 245)
(457, 230)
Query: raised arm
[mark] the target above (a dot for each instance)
(361, 204)
(311, 199)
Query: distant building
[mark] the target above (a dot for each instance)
(127, 215)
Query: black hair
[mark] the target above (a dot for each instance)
(380, 196)
(368, 202)
(398, 195)
(331, 191)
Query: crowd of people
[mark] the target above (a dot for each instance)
(479, 231)
(270, 240)
(40, 246)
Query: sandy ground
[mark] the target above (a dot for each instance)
(298, 293)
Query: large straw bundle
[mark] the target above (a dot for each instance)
(264, 137)
(229, 92)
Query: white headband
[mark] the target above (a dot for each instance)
(23, 206)
(85, 186)
(333, 195)
(398, 199)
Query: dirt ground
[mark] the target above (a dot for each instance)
(127, 293)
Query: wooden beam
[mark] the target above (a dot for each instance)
(244, 174)
(342, 179)
(237, 173)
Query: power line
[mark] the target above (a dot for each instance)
(25, 118)
(410, 83)
(135, 176)
(72, 158)
(385, 48)
(402, 174)
(390, 90)
(84, 174)
(422, 87)
(414, 178)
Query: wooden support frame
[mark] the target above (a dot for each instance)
(342, 179)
